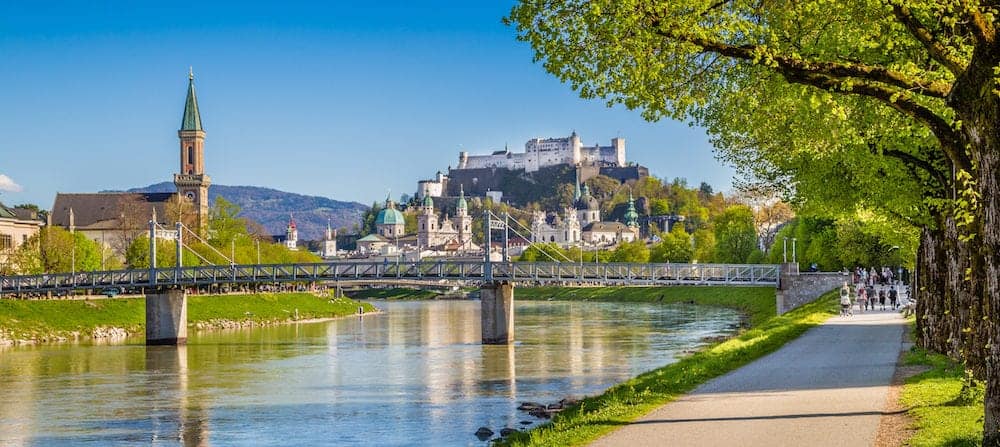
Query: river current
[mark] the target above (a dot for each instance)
(415, 374)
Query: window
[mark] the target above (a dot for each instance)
(190, 155)
(6, 242)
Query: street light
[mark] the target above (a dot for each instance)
(794, 259)
(784, 249)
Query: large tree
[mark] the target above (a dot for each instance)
(890, 106)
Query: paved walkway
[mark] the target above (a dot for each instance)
(826, 388)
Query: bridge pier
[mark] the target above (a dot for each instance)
(166, 317)
(497, 301)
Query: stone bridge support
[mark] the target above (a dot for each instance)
(497, 312)
(796, 289)
(166, 317)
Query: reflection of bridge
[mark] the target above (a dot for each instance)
(416, 272)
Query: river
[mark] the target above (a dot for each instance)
(413, 375)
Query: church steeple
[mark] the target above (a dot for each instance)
(191, 181)
(192, 119)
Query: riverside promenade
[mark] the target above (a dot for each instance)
(826, 388)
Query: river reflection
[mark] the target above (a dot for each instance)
(414, 375)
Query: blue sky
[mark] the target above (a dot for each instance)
(338, 100)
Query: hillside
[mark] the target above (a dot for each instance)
(271, 208)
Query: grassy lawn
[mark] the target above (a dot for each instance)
(48, 319)
(943, 416)
(756, 302)
(627, 401)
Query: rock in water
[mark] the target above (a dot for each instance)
(484, 433)
(529, 406)
(507, 431)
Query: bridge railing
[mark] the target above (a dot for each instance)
(521, 272)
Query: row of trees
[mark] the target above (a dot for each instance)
(880, 112)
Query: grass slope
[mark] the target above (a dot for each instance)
(398, 293)
(757, 303)
(944, 417)
(43, 320)
(627, 401)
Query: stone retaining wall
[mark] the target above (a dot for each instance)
(796, 289)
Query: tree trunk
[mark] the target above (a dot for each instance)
(977, 105)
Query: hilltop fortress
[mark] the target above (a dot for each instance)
(539, 153)
(500, 174)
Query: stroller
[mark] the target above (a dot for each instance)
(845, 303)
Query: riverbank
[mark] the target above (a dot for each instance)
(625, 402)
(393, 293)
(757, 303)
(40, 321)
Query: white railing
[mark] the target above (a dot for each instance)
(519, 272)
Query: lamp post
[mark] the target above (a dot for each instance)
(784, 249)
(794, 258)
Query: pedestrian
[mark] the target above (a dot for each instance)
(845, 300)
(881, 298)
(872, 298)
(894, 298)
(862, 298)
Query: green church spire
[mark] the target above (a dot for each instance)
(631, 216)
(192, 119)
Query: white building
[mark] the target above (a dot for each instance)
(551, 228)
(542, 152)
(291, 235)
(329, 243)
(16, 227)
(453, 234)
(432, 188)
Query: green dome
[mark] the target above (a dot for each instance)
(428, 202)
(390, 216)
(461, 199)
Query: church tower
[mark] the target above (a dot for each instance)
(427, 225)
(463, 221)
(191, 181)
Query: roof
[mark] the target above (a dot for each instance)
(390, 216)
(191, 119)
(605, 227)
(104, 210)
(372, 238)
(7, 212)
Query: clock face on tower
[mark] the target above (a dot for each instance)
(189, 195)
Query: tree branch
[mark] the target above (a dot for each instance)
(913, 160)
(951, 142)
(937, 89)
(981, 28)
(934, 47)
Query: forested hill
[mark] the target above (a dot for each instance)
(271, 208)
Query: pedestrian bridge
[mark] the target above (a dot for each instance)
(521, 273)
(166, 299)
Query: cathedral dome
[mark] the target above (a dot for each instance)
(390, 216)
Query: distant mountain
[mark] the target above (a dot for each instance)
(271, 208)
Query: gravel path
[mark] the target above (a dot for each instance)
(826, 388)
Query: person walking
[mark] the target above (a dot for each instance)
(872, 297)
(881, 298)
(893, 298)
(862, 298)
